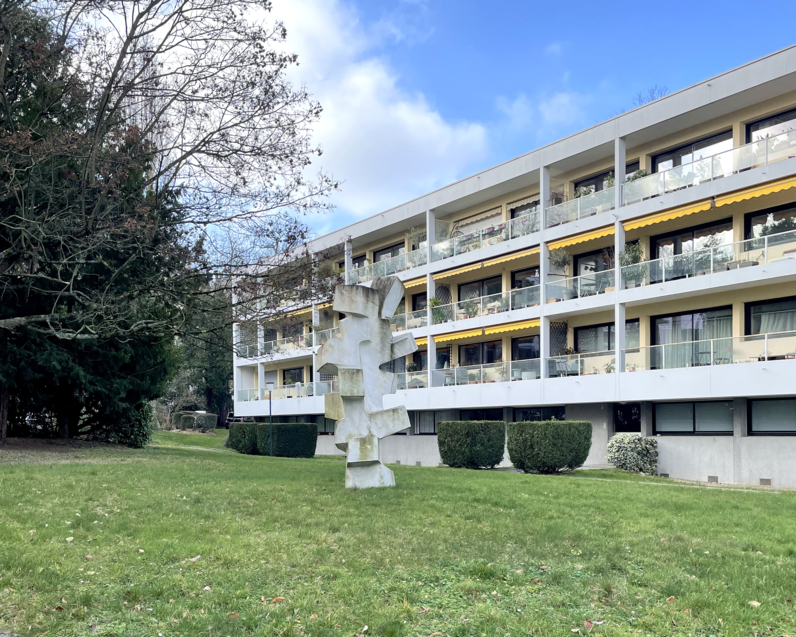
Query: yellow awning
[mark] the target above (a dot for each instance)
(757, 191)
(481, 215)
(323, 305)
(415, 282)
(511, 257)
(455, 336)
(512, 327)
(667, 215)
(304, 310)
(580, 238)
(467, 268)
(421, 341)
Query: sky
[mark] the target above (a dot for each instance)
(420, 93)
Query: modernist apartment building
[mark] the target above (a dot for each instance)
(640, 274)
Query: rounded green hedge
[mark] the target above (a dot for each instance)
(549, 446)
(473, 444)
(291, 440)
(243, 437)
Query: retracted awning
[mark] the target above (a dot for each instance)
(580, 238)
(512, 327)
(667, 215)
(421, 341)
(449, 273)
(454, 336)
(511, 257)
(757, 191)
(415, 282)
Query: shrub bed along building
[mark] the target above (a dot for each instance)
(293, 440)
(549, 446)
(473, 444)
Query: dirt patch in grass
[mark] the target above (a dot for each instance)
(42, 450)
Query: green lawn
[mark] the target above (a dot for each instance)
(177, 439)
(169, 541)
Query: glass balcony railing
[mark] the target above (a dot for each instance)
(730, 162)
(290, 344)
(733, 256)
(486, 305)
(497, 233)
(409, 321)
(402, 262)
(580, 207)
(581, 286)
(490, 373)
(582, 364)
(717, 351)
(297, 390)
(321, 336)
(412, 380)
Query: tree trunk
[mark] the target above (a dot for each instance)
(3, 413)
(63, 425)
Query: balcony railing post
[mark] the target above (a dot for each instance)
(712, 358)
(766, 143)
(711, 260)
(765, 243)
(578, 207)
(765, 338)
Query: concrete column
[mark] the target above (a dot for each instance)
(544, 263)
(739, 417)
(619, 308)
(646, 418)
(620, 162)
(315, 373)
(349, 252)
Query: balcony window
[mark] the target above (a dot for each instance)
(525, 348)
(425, 422)
(777, 416)
(536, 414)
(293, 376)
(420, 358)
(603, 181)
(693, 151)
(774, 221)
(389, 253)
(522, 207)
(694, 418)
(525, 278)
(595, 261)
(481, 414)
(685, 338)
(627, 417)
(770, 317)
(600, 338)
(477, 289)
(702, 237)
(473, 223)
(443, 357)
(358, 262)
(771, 126)
(419, 302)
(480, 353)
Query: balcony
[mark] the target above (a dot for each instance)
(298, 390)
(409, 321)
(489, 373)
(290, 344)
(582, 364)
(413, 380)
(498, 233)
(581, 286)
(730, 162)
(742, 254)
(717, 351)
(580, 208)
(402, 262)
(486, 305)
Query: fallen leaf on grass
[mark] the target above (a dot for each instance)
(69, 539)
(754, 604)
(207, 588)
(193, 559)
(276, 600)
(234, 615)
(201, 611)
(519, 572)
(544, 568)
(89, 557)
(313, 616)
(93, 628)
(588, 625)
(58, 608)
(186, 614)
(171, 601)
(423, 610)
(670, 599)
(140, 550)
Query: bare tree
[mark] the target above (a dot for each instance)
(168, 151)
(653, 93)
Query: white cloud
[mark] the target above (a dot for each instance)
(563, 109)
(387, 144)
(554, 48)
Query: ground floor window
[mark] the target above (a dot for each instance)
(694, 418)
(481, 414)
(627, 418)
(425, 422)
(536, 414)
(777, 416)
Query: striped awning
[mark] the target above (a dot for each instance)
(580, 238)
(512, 327)
(757, 191)
(449, 273)
(415, 282)
(455, 336)
(481, 215)
(511, 257)
(667, 215)
(523, 202)
(421, 341)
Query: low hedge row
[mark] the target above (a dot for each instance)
(473, 444)
(548, 446)
(293, 440)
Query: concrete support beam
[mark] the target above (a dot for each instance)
(544, 264)
(349, 252)
(646, 418)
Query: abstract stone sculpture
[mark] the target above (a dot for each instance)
(357, 356)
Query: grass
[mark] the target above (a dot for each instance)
(170, 541)
(177, 439)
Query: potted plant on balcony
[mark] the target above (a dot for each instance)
(473, 378)
(471, 307)
(636, 175)
(630, 260)
(411, 367)
(559, 261)
(439, 314)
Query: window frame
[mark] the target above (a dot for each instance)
(747, 311)
(481, 286)
(291, 369)
(654, 158)
(361, 258)
(541, 412)
(591, 253)
(483, 409)
(693, 431)
(608, 324)
(750, 432)
(538, 276)
(517, 338)
(619, 406)
(655, 238)
(416, 298)
(481, 350)
(653, 332)
(400, 245)
(603, 176)
(747, 218)
(748, 125)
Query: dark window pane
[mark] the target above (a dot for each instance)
(389, 253)
(443, 358)
(524, 278)
(469, 355)
(691, 152)
(493, 352)
(419, 302)
(525, 348)
(469, 291)
(492, 286)
(627, 418)
(292, 376)
(773, 416)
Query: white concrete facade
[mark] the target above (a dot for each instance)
(729, 102)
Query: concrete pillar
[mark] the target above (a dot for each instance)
(646, 418)
(349, 251)
(544, 264)
(620, 161)
(619, 308)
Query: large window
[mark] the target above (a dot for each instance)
(525, 278)
(358, 262)
(601, 182)
(481, 414)
(684, 339)
(694, 418)
(389, 253)
(771, 126)
(536, 414)
(419, 302)
(769, 317)
(480, 353)
(777, 416)
(525, 348)
(522, 207)
(425, 422)
(443, 357)
(293, 376)
(596, 261)
(600, 338)
(693, 152)
(772, 221)
(627, 417)
(484, 287)
(711, 235)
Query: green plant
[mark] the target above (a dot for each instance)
(243, 437)
(291, 440)
(632, 254)
(637, 175)
(583, 191)
(560, 259)
(471, 444)
(412, 367)
(439, 314)
(635, 453)
(187, 421)
(549, 446)
(205, 422)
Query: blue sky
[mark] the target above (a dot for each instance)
(418, 93)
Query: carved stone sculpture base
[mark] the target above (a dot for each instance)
(365, 476)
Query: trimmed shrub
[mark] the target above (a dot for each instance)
(549, 446)
(186, 421)
(635, 453)
(473, 444)
(291, 440)
(205, 422)
(243, 437)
